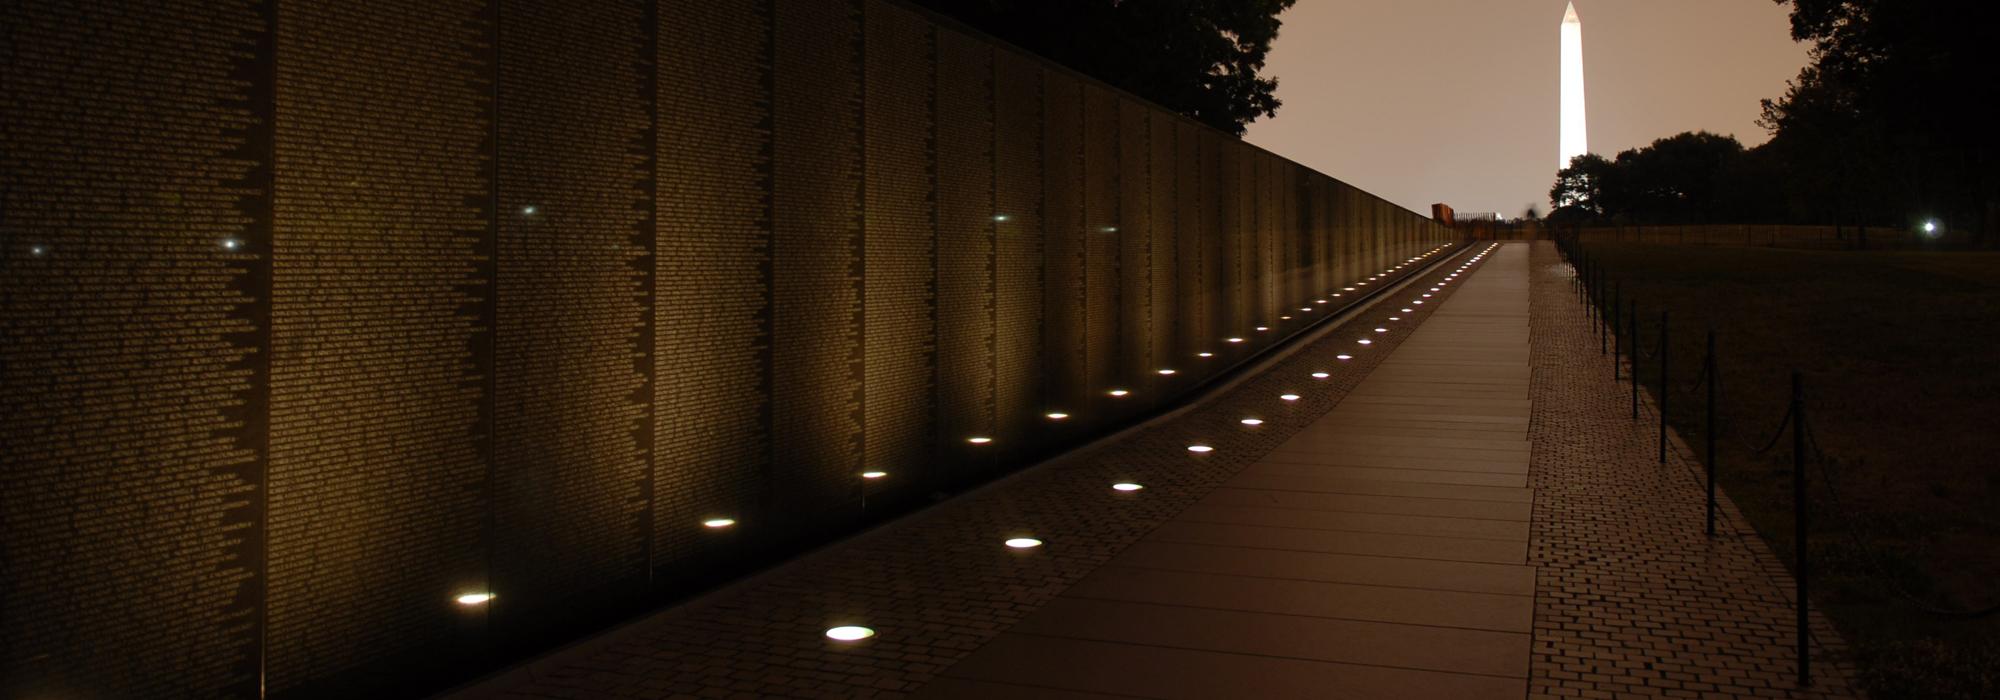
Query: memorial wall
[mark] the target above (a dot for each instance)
(368, 344)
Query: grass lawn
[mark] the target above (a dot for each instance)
(1901, 357)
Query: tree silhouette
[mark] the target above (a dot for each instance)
(1200, 58)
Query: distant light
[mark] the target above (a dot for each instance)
(1930, 227)
(1024, 543)
(231, 244)
(1110, 229)
(1126, 486)
(873, 475)
(1058, 416)
(1200, 448)
(1321, 375)
(718, 523)
(1289, 397)
(849, 633)
(475, 598)
(1236, 340)
(38, 250)
(1002, 217)
(1117, 392)
(979, 440)
(1166, 371)
(1252, 421)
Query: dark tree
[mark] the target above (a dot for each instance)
(1895, 110)
(1579, 192)
(1197, 57)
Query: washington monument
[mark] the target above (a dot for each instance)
(1574, 141)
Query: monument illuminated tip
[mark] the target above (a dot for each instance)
(1574, 138)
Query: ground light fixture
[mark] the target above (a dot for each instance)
(979, 440)
(718, 523)
(1126, 486)
(1263, 328)
(1165, 371)
(1204, 354)
(480, 598)
(1024, 543)
(1289, 397)
(1056, 415)
(1365, 341)
(1321, 375)
(1236, 340)
(871, 475)
(849, 633)
(1395, 318)
(1253, 421)
(1117, 392)
(1407, 311)
(1343, 358)
(1200, 448)
(1381, 330)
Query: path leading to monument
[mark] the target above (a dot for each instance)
(1452, 509)
(1379, 552)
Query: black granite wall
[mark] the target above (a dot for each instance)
(319, 315)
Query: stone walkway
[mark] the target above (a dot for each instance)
(1632, 598)
(1450, 510)
(1380, 552)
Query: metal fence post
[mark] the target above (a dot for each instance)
(1666, 389)
(1708, 368)
(1632, 334)
(1802, 575)
(1617, 341)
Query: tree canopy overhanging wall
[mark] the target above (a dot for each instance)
(318, 315)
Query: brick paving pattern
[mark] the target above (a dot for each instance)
(1632, 597)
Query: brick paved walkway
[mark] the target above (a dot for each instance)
(1455, 511)
(1631, 597)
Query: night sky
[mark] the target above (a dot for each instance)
(1422, 101)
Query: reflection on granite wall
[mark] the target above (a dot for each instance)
(319, 315)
